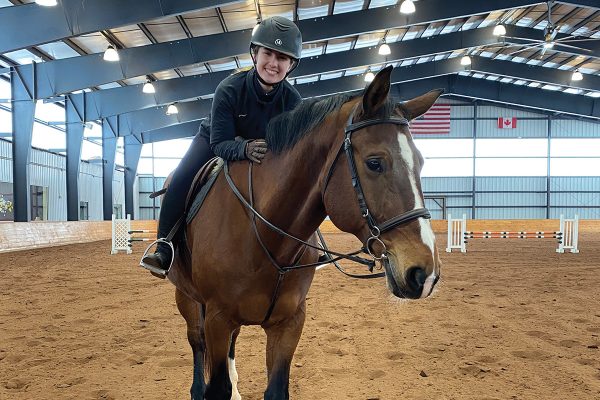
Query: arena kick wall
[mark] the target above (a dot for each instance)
(16, 236)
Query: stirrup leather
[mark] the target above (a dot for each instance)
(161, 273)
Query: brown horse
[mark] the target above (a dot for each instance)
(351, 158)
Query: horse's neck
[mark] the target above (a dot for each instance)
(290, 184)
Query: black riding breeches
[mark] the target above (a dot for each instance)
(173, 202)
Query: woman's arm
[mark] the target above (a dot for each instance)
(222, 130)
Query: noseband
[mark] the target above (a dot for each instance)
(375, 228)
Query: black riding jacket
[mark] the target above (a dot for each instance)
(240, 96)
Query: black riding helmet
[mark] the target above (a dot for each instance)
(278, 34)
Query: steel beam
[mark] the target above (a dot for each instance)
(506, 93)
(67, 75)
(381, 18)
(76, 17)
(100, 104)
(183, 130)
(23, 113)
(104, 103)
(533, 73)
(133, 149)
(109, 150)
(581, 3)
(145, 120)
(74, 120)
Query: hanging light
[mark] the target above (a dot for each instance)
(577, 76)
(499, 30)
(369, 76)
(172, 109)
(148, 87)
(407, 7)
(466, 60)
(46, 3)
(548, 45)
(384, 49)
(111, 54)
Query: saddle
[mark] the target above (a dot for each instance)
(201, 185)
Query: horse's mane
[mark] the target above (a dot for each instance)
(285, 130)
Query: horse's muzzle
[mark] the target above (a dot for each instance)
(415, 283)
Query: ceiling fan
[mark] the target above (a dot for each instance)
(549, 40)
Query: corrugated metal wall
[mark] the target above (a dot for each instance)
(514, 197)
(49, 170)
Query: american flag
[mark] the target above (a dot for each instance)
(436, 121)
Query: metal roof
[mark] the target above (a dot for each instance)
(188, 46)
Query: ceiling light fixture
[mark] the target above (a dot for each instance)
(577, 76)
(46, 3)
(172, 109)
(548, 45)
(407, 7)
(148, 87)
(111, 54)
(466, 60)
(384, 49)
(499, 30)
(369, 76)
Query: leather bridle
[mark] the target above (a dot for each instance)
(376, 229)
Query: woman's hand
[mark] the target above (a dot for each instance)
(256, 150)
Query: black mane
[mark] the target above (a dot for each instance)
(285, 130)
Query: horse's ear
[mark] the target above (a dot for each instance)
(377, 92)
(419, 105)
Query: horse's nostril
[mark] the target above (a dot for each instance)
(416, 277)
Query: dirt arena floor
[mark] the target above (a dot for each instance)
(510, 320)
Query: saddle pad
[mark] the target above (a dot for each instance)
(199, 199)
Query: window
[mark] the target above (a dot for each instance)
(6, 202)
(39, 200)
(83, 211)
(118, 211)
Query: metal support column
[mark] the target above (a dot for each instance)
(23, 112)
(110, 138)
(548, 168)
(74, 119)
(474, 179)
(133, 150)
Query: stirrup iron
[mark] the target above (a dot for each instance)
(158, 272)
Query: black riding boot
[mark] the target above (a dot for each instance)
(173, 203)
(159, 262)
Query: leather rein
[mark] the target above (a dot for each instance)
(375, 228)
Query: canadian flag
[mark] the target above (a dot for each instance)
(507, 123)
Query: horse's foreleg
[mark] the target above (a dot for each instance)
(193, 314)
(282, 340)
(233, 375)
(218, 333)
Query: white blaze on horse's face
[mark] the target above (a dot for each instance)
(427, 235)
(413, 265)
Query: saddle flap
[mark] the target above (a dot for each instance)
(201, 185)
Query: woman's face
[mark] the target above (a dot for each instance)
(271, 65)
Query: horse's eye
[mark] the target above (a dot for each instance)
(375, 165)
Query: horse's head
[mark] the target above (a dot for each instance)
(391, 220)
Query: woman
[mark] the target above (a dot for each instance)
(242, 106)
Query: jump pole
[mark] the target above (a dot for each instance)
(567, 237)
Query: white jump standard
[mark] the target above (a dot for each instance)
(122, 235)
(566, 237)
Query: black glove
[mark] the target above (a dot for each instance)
(256, 150)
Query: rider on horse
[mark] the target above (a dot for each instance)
(242, 106)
